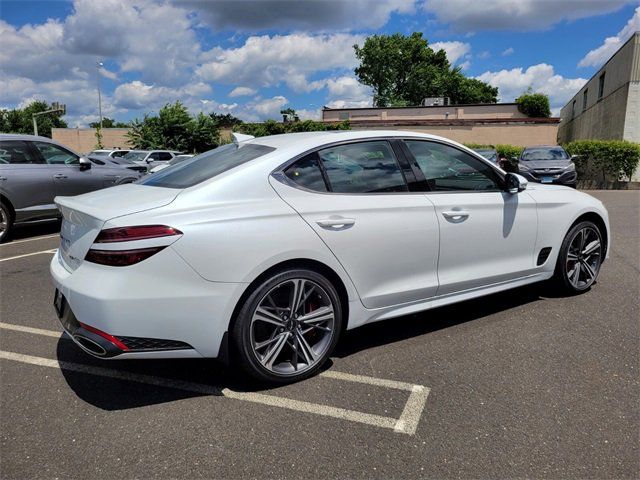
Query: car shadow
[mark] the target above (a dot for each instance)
(22, 232)
(111, 390)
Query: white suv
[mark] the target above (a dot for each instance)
(144, 157)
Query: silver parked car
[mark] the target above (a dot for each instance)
(34, 170)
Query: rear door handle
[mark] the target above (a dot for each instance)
(336, 222)
(59, 175)
(456, 215)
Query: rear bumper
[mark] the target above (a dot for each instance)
(157, 308)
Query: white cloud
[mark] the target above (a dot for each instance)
(470, 16)
(484, 55)
(314, 15)
(455, 50)
(242, 92)
(541, 78)
(138, 95)
(598, 56)
(280, 59)
(507, 52)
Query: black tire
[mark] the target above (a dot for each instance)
(562, 277)
(6, 219)
(243, 334)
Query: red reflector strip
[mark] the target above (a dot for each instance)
(105, 335)
(140, 232)
(121, 258)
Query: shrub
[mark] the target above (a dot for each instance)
(271, 127)
(534, 104)
(605, 160)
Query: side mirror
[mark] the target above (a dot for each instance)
(515, 183)
(85, 163)
(575, 157)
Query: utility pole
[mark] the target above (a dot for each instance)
(98, 65)
(55, 108)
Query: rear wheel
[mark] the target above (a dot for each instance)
(288, 327)
(580, 258)
(6, 222)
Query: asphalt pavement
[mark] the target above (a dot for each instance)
(523, 383)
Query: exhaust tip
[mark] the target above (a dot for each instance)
(89, 345)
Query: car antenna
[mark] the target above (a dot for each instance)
(240, 137)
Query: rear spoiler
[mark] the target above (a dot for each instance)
(239, 137)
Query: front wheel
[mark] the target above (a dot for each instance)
(580, 258)
(288, 326)
(6, 222)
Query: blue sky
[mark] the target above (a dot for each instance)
(252, 58)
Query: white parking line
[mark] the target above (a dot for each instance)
(407, 423)
(15, 242)
(28, 254)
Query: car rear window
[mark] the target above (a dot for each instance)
(206, 165)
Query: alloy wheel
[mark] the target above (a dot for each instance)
(4, 223)
(584, 258)
(292, 327)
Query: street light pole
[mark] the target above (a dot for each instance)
(98, 65)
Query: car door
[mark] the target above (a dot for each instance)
(355, 197)
(25, 181)
(487, 235)
(64, 166)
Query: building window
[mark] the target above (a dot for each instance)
(584, 99)
(601, 86)
(573, 109)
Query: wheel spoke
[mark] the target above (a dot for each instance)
(572, 256)
(274, 351)
(305, 348)
(261, 345)
(321, 314)
(591, 248)
(588, 270)
(582, 238)
(574, 275)
(266, 316)
(296, 295)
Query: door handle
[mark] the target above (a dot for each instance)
(456, 215)
(2, 179)
(336, 222)
(59, 175)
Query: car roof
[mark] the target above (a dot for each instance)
(24, 137)
(306, 140)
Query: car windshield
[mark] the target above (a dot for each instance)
(536, 154)
(135, 156)
(205, 166)
(488, 154)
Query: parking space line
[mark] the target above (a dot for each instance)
(301, 406)
(29, 254)
(407, 423)
(15, 242)
(37, 331)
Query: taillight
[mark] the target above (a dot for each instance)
(129, 234)
(123, 258)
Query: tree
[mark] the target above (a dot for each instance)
(20, 120)
(403, 70)
(534, 104)
(108, 123)
(225, 121)
(173, 128)
(289, 115)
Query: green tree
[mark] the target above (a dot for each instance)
(174, 128)
(20, 120)
(108, 123)
(289, 115)
(534, 104)
(403, 70)
(225, 120)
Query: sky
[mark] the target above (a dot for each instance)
(252, 58)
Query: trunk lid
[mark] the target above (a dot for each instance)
(84, 215)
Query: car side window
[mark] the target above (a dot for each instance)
(446, 168)
(154, 156)
(55, 155)
(164, 156)
(16, 152)
(306, 173)
(364, 167)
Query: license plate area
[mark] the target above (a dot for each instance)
(65, 315)
(547, 179)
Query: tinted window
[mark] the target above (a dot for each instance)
(367, 167)
(535, 154)
(55, 155)
(164, 156)
(119, 153)
(154, 156)
(447, 168)
(12, 151)
(306, 173)
(206, 165)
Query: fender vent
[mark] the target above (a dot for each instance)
(137, 344)
(543, 255)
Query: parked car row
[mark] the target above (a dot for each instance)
(542, 164)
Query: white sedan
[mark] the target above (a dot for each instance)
(270, 247)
